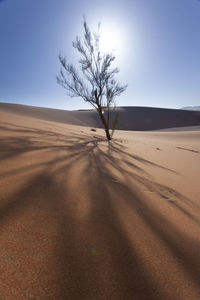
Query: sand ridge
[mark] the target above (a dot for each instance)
(129, 118)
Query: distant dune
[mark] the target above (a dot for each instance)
(130, 118)
(191, 108)
(81, 118)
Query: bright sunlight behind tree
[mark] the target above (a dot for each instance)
(96, 84)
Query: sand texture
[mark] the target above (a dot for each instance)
(81, 218)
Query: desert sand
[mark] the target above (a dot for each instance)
(81, 218)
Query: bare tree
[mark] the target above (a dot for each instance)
(97, 85)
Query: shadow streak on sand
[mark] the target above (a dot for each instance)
(95, 259)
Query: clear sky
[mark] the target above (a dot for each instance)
(157, 49)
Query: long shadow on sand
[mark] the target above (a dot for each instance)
(94, 257)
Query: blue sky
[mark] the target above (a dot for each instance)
(159, 55)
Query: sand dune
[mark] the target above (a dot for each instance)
(130, 118)
(82, 218)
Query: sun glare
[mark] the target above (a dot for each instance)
(111, 40)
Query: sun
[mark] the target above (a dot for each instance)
(111, 39)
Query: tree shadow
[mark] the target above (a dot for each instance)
(94, 258)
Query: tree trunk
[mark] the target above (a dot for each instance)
(106, 128)
(108, 134)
